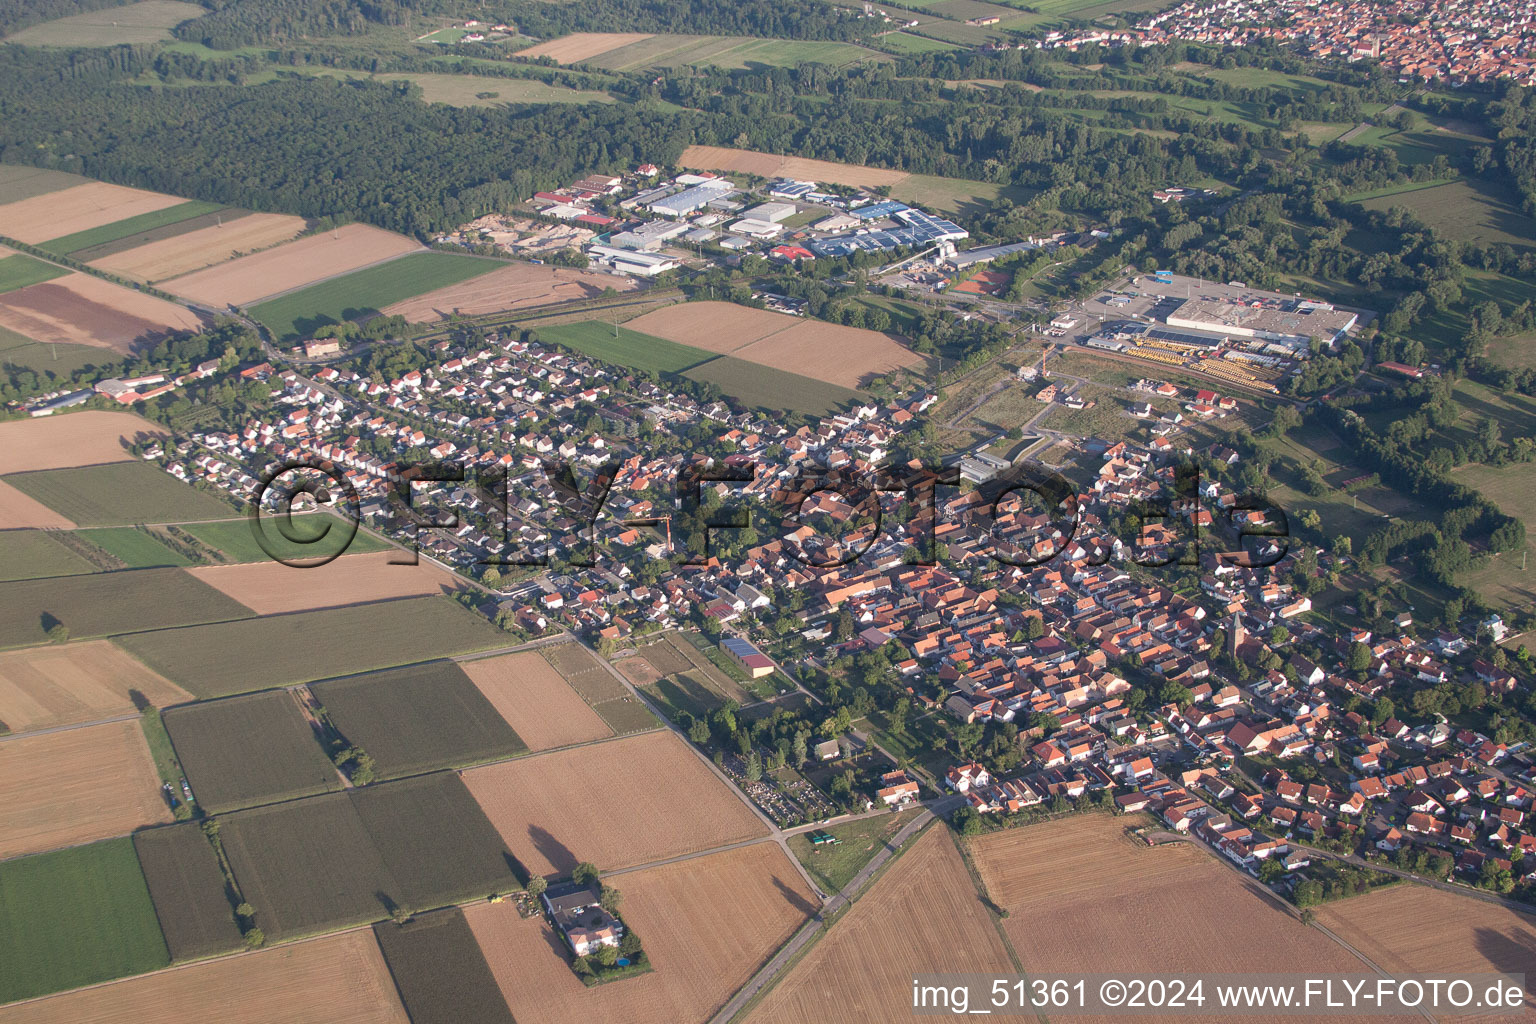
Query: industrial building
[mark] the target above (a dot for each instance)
(919, 230)
(648, 236)
(772, 212)
(641, 264)
(1288, 323)
(692, 199)
(986, 254)
(755, 228)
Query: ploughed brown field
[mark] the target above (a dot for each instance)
(535, 701)
(337, 979)
(79, 309)
(272, 588)
(514, 287)
(291, 266)
(81, 208)
(708, 924)
(71, 439)
(580, 46)
(170, 257)
(1411, 929)
(44, 687)
(65, 788)
(923, 915)
(615, 804)
(22, 511)
(845, 356)
(773, 165)
(1084, 897)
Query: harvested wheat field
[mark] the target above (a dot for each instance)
(22, 511)
(535, 701)
(64, 788)
(773, 165)
(272, 588)
(44, 687)
(812, 348)
(1450, 934)
(700, 952)
(336, 979)
(81, 208)
(616, 804)
(514, 287)
(923, 915)
(291, 266)
(580, 46)
(79, 309)
(171, 257)
(1082, 896)
(73, 439)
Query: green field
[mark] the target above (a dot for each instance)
(137, 548)
(765, 388)
(278, 650)
(187, 887)
(458, 90)
(907, 44)
(67, 245)
(147, 22)
(75, 917)
(307, 866)
(250, 750)
(234, 538)
(674, 51)
(440, 971)
(624, 347)
(45, 358)
(834, 865)
(418, 718)
(436, 842)
(33, 554)
(1473, 210)
(109, 602)
(21, 270)
(362, 294)
(118, 494)
(955, 195)
(18, 182)
(682, 693)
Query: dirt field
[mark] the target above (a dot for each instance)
(338, 979)
(772, 165)
(1451, 934)
(271, 588)
(73, 439)
(579, 46)
(64, 788)
(606, 804)
(77, 209)
(839, 355)
(638, 671)
(204, 247)
(79, 309)
(20, 511)
(291, 266)
(535, 701)
(514, 287)
(1083, 897)
(700, 955)
(923, 915)
(43, 687)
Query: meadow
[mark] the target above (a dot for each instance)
(135, 547)
(149, 21)
(834, 865)
(41, 357)
(441, 974)
(118, 494)
(763, 387)
(31, 554)
(75, 917)
(69, 245)
(622, 346)
(107, 603)
(244, 751)
(20, 270)
(187, 888)
(365, 292)
(1472, 210)
(278, 650)
(236, 538)
(418, 718)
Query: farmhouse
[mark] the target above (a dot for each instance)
(581, 919)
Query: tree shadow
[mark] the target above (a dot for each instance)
(553, 850)
(48, 620)
(141, 703)
(795, 897)
(1511, 952)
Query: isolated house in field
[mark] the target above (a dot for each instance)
(581, 919)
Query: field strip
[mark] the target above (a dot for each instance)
(332, 277)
